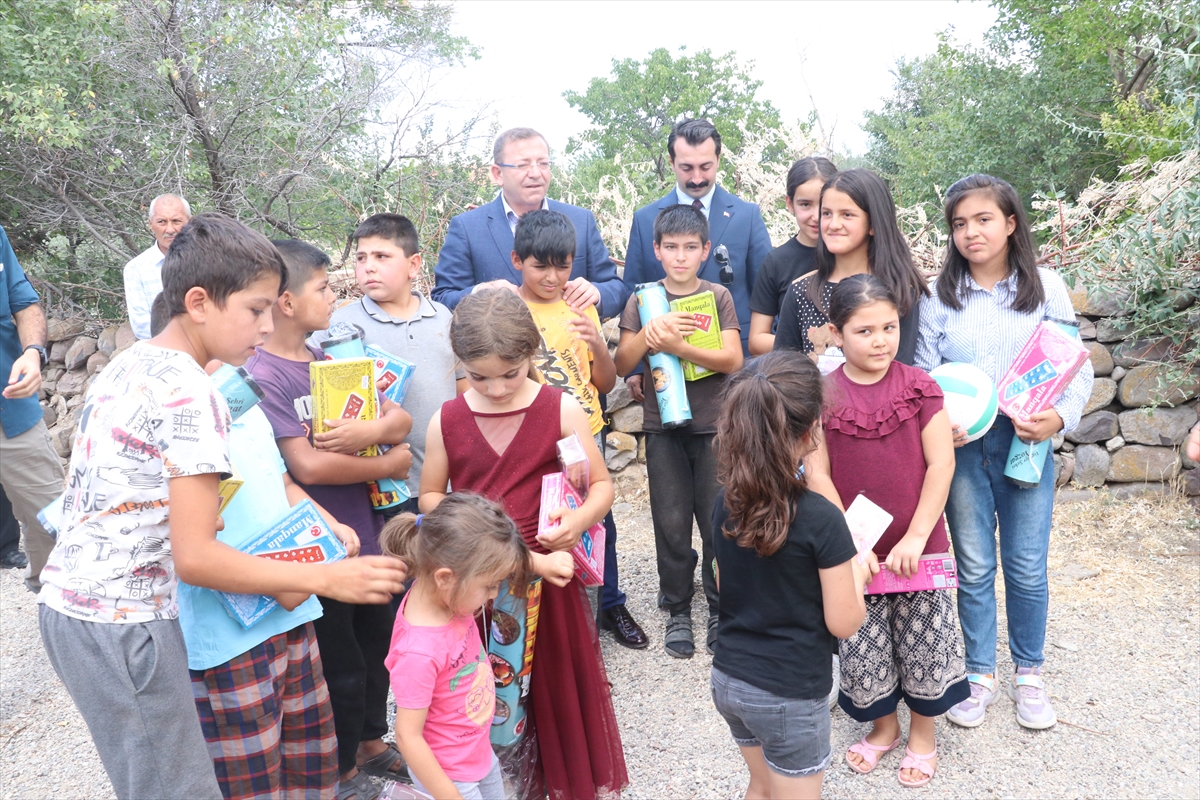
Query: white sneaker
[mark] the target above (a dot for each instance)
(1028, 692)
(837, 679)
(969, 713)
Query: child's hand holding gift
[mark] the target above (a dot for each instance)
(566, 534)
(347, 537)
(558, 567)
(666, 333)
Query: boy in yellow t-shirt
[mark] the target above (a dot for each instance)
(575, 358)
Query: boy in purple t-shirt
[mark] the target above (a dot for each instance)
(353, 639)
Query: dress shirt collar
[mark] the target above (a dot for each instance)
(511, 215)
(1008, 284)
(706, 200)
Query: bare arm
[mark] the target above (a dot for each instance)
(666, 334)
(319, 467)
(631, 349)
(937, 441)
(599, 501)
(761, 339)
(435, 473)
(25, 379)
(842, 596)
(410, 739)
(203, 561)
(349, 436)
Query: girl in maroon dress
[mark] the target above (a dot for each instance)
(498, 439)
(888, 437)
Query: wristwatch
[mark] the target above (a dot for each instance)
(41, 351)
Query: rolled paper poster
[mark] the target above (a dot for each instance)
(345, 341)
(1027, 460)
(240, 391)
(510, 649)
(666, 373)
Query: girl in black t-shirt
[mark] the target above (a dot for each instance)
(790, 580)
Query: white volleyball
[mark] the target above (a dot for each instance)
(971, 399)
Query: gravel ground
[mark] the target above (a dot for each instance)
(1123, 666)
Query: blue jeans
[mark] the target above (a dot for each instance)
(610, 593)
(980, 496)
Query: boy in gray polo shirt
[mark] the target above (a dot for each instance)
(397, 318)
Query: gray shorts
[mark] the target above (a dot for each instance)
(793, 734)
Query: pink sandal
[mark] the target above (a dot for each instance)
(921, 764)
(871, 753)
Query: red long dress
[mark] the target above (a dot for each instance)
(579, 743)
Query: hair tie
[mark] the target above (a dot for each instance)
(418, 522)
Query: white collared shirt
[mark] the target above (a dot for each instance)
(511, 215)
(143, 283)
(687, 201)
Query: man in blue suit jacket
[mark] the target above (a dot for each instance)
(479, 242)
(478, 254)
(695, 150)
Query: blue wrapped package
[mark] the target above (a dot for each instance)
(665, 370)
(511, 639)
(392, 373)
(302, 535)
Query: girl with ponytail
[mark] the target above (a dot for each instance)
(791, 582)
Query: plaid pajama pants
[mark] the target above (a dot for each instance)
(268, 722)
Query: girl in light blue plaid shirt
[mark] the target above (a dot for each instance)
(989, 299)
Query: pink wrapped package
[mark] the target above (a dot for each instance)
(935, 571)
(1041, 372)
(557, 492)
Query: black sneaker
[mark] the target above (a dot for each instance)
(13, 559)
(679, 641)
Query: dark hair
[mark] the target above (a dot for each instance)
(1022, 258)
(548, 236)
(766, 408)
(695, 132)
(396, 228)
(805, 170)
(680, 220)
(219, 255)
(887, 251)
(852, 294)
(493, 322)
(302, 261)
(513, 135)
(159, 318)
(469, 534)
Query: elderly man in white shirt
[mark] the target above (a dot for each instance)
(143, 275)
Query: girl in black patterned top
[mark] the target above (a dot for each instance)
(859, 235)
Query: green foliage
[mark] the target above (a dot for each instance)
(1059, 94)
(288, 114)
(966, 110)
(1138, 238)
(633, 110)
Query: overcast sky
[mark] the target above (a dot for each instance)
(534, 51)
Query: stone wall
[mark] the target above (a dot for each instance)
(76, 355)
(1122, 442)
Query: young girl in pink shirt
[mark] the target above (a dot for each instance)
(441, 677)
